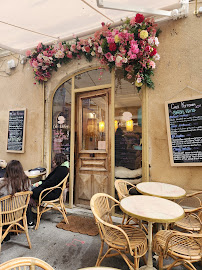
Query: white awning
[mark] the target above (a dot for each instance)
(25, 23)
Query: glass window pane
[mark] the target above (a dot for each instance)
(128, 125)
(93, 123)
(92, 78)
(61, 120)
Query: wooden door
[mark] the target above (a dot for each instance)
(92, 145)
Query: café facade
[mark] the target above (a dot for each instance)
(105, 126)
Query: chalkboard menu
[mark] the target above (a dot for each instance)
(184, 126)
(16, 131)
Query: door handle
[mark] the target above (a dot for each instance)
(92, 155)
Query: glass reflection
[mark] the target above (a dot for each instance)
(93, 123)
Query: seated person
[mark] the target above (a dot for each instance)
(3, 165)
(15, 180)
(60, 170)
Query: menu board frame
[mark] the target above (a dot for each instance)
(172, 162)
(23, 133)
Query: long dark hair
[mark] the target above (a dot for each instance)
(15, 177)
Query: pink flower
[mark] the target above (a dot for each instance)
(99, 49)
(28, 53)
(69, 54)
(73, 47)
(108, 55)
(110, 40)
(39, 46)
(78, 47)
(40, 57)
(34, 64)
(133, 21)
(152, 64)
(45, 53)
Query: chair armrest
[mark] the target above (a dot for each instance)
(49, 190)
(192, 210)
(100, 221)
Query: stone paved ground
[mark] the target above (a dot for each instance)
(63, 250)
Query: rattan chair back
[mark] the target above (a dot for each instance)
(192, 205)
(56, 204)
(121, 238)
(25, 263)
(13, 214)
(123, 188)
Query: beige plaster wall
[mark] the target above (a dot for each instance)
(17, 91)
(178, 75)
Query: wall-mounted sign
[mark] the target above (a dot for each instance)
(16, 131)
(184, 129)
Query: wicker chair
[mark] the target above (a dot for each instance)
(57, 204)
(183, 248)
(122, 239)
(13, 214)
(123, 190)
(23, 263)
(192, 220)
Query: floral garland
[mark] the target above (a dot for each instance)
(132, 47)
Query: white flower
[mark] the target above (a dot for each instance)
(139, 80)
(118, 59)
(125, 60)
(93, 53)
(58, 65)
(83, 49)
(90, 42)
(156, 41)
(99, 49)
(151, 41)
(156, 57)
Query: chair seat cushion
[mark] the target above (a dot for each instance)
(181, 246)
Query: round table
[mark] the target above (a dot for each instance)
(151, 209)
(163, 190)
(34, 174)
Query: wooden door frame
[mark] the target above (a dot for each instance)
(72, 139)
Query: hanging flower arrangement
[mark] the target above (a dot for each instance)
(131, 47)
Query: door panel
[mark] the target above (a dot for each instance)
(92, 147)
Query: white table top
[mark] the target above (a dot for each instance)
(163, 190)
(152, 208)
(34, 174)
